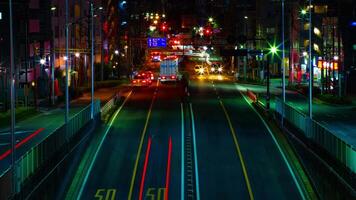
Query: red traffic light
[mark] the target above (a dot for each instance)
(208, 32)
(163, 27)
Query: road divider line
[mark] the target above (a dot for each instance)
(168, 172)
(100, 145)
(195, 153)
(182, 152)
(278, 146)
(22, 142)
(140, 147)
(145, 168)
(234, 136)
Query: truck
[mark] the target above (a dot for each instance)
(169, 69)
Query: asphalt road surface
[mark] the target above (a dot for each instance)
(205, 142)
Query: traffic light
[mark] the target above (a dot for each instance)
(208, 31)
(164, 27)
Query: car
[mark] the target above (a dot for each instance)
(199, 69)
(149, 74)
(141, 79)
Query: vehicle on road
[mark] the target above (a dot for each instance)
(141, 79)
(169, 69)
(199, 69)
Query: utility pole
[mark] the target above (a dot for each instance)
(268, 95)
(283, 67)
(101, 48)
(53, 9)
(12, 102)
(311, 70)
(66, 65)
(92, 58)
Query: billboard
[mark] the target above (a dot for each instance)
(157, 42)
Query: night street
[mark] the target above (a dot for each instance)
(177, 99)
(222, 149)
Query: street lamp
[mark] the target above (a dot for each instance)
(42, 61)
(53, 9)
(273, 50)
(116, 52)
(303, 12)
(12, 100)
(282, 65)
(77, 55)
(66, 116)
(211, 19)
(311, 69)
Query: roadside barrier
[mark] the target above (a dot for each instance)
(319, 134)
(40, 155)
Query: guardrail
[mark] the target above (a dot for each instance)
(108, 105)
(319, 134)
(39, 155)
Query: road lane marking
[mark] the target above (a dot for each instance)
(168, 172)
(109, 194)
(145, 168)
(278, 147)
(233, 133)
(140, 147)
(182, 153)
(101, 144)
(22, 142)
(195, 153)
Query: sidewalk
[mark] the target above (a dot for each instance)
(339, 119)
(34, 129)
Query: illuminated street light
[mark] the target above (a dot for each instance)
(77, 55)
(273, 49)
(246, 17)
(126, 47)
(155, 22)
(117, 52)
(53, 8)
(42, 61)
(163, 15)
(100, 8)
(211, 19)
(65, 58)
(336, 57)
(303, 11)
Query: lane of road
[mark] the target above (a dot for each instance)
(114, 165)
(142, 154)
(268, 172)
(220, 170)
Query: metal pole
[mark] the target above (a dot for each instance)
(268, 96)
(101, 48)
(311, 69)
(66, 65)
(12, 102)
(283, 67)
(92, 58)
(53, 59)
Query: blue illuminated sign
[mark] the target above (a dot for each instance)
(353, 23)
(156, 42)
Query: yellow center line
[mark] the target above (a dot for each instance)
(238, 151)
(140, 145)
